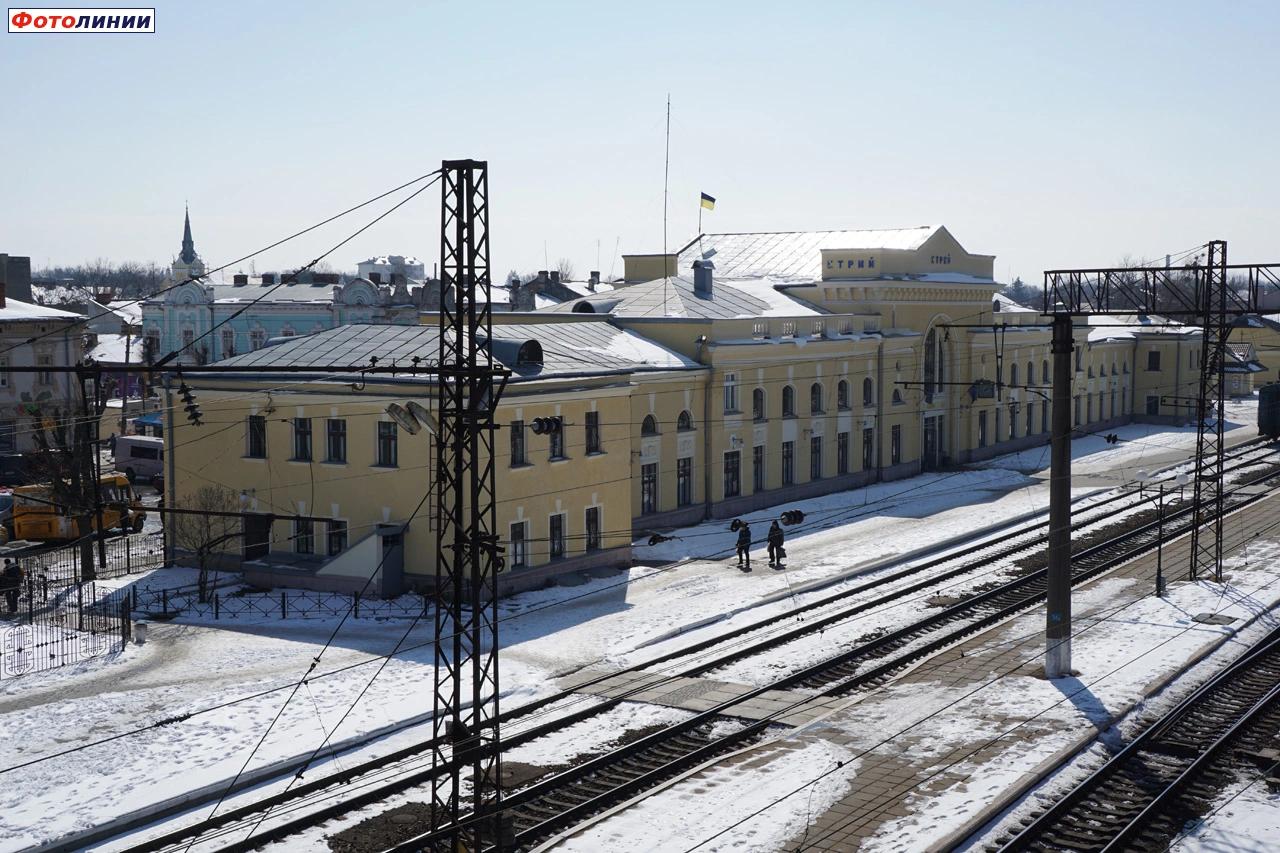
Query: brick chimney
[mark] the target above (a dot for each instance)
(239, 279)
(594, 280)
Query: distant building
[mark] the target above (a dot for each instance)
(15, 275)
(276, 306)
(383, 267)
(35, 336)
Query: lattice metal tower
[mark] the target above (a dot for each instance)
(466, 623)
(1206, 533)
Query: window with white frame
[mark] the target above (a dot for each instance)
(228, 343)
(257, 339)
(44, 377)
(731, 392)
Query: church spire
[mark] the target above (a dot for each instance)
(188, 245)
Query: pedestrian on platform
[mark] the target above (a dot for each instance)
(744, 547)
(11, 581)
(776, 538)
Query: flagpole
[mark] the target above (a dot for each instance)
(666, 172)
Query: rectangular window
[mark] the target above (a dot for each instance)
(517, 443)
(593, 432)
(1088, 409)
(302, 439)
(868, 449)
(257, 437)
(557, 536)
(1153, 404)
(44, 377)
(1076, 402)
(8, 436)
(337, 535)
(1044, 418)
(731, 392)
(788, 462)
(188, 337)
(649, 488)
(593, 528)
(335, 440)
(257, 339)
(4, 372)
(732, 474)
(519, 546)
(1031, 418)
(388, 441)
(555, 443)
(757, 468)
(228, 343)
(895, 444)
(1013, 421)
(842, 453)
(304, 536)
(1153, 359)
(815, 457)
(684, 481)
(982, 429)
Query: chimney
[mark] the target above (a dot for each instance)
(542, 275)
(375, 277)
(555, 276)
(3, 285)
(268, 278)
(702, 285)
(239, 279)
(593, 280)
(288, 278)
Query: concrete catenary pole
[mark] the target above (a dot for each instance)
(1057, 662)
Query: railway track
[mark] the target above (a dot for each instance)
(1172, 772)
(584, 789)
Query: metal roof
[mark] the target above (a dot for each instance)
(575, 348)
(792, 254)
(675, 297)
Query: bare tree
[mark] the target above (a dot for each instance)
(565, 268)
(209, 532)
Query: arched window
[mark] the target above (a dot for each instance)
(868, 392)
(1031, 378)
(757, 404)
(1125, 366)
(1013, 375)
(897, 397)
(1113, 367)
(815, 398)
(649, 426)
(788, 401)
(684, 422)
(842, 394)
(1079, 359)
(931, 377)
(1044, 371)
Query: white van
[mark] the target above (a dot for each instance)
(140, 457)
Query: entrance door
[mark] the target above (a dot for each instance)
(929, 459)
(257, 536)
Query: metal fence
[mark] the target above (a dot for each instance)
(61, 565)
(45, 625)
(275, 604)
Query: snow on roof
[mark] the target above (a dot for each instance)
(1122, 327)
(1008, 306)
(16, 309)
(129, 312)
(570, 348)
(675, 297)
(792, 254)
(110, 349)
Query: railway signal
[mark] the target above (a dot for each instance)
(547, 426)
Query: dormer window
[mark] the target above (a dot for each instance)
(530, 353)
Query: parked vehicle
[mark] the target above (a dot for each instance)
(140, 457)
(37, 518)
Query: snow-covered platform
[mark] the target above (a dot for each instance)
(931, 759)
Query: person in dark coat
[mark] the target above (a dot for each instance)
(744, 547)
(776, 537)
(11, 580)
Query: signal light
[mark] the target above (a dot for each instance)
(792, 516)
(193, 410)
(547, 426)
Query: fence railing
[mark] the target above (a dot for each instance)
(62, 565)
(47, 626)
(275, 604)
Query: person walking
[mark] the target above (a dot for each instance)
(11, 580)
(744, 547)
(776, 538)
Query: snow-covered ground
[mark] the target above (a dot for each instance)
(1245, 819)
(234, 677)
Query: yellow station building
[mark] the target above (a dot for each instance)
(741, 372)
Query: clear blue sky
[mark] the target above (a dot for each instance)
(1048, 134)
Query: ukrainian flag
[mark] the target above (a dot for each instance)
(708, 202)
